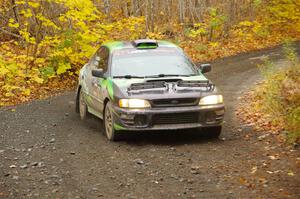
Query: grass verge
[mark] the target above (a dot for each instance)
(274, 104)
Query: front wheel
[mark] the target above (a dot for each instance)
(110, 132)
(213, 132)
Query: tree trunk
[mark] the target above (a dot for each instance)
(15, 10)
(107, 8)
(181, 11)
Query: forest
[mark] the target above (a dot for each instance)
(45, 42)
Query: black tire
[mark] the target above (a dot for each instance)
(212, 132)
(108, 120)
(82, 107)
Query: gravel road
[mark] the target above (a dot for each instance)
(46, 151)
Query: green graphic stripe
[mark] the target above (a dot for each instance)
(118, 127)
(107, 84)
(114, 45)
(110, 88)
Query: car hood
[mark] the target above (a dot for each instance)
(161, 88)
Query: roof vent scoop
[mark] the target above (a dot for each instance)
(145, 44)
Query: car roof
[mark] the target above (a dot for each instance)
(115, 45)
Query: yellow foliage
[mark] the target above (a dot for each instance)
(34, 4)
(63, 67)
(155, 35)
(46, 22)
(214, 44)
(13, 24)
(27, 92)
(284, 15)
(26, 13)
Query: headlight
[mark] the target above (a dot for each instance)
(134, 103)
(211, 99)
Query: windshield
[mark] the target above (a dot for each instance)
(151, 62)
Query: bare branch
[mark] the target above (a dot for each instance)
(10, 33)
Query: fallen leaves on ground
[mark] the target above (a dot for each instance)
(52, 87)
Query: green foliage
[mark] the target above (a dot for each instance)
(290, 52)
(257, 3)
(280, 93)
(293, 119)
(267, 69)
(216, 19)
(47, 72)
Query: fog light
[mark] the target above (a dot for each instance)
(127, 116)
(220, 112)
(210, 117)
(140, 120)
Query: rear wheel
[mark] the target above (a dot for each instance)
(110, 132)
(82, 106)
(213, 132)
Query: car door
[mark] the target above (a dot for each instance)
(86, 79)
(100, 62)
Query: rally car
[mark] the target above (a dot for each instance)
(146, 85)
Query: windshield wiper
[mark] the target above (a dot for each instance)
(128, 76)
(169, 75)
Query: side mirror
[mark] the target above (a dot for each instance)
(98, 73)
(205, 68)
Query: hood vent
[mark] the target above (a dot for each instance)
(205, 86)
(203, 83)
(177, 85)
(165, 80)
(157, 86)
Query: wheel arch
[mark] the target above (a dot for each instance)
(77, 99)
(104, 105)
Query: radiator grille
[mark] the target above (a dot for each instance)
(175, 118)
(174, 102)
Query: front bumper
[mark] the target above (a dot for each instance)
(168, 118)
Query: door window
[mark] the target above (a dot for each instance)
(100, 59)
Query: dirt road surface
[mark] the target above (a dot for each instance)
(46, 151)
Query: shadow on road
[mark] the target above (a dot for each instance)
(166, 137)
(162, 137)
(172, 137)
